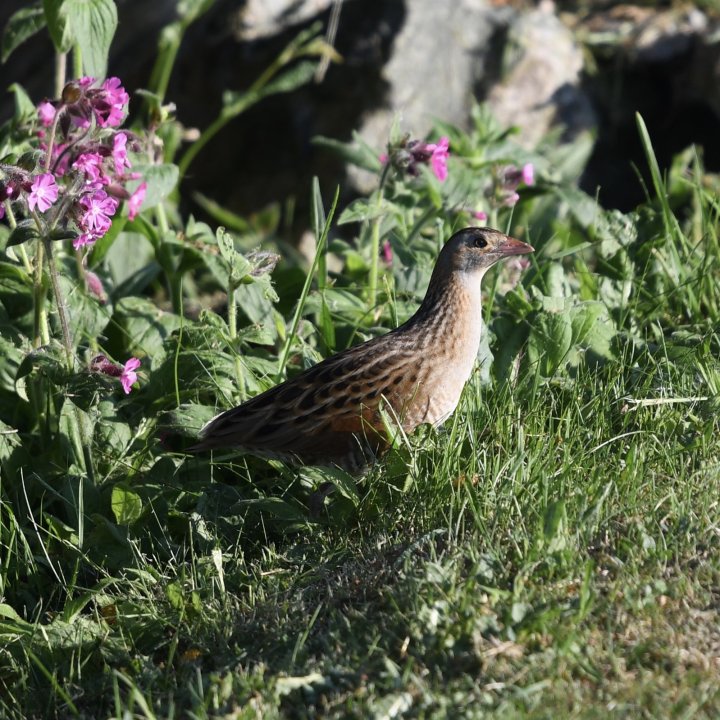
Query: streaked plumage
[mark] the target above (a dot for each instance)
(330, 414)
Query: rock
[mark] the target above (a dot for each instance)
(266, 18)
(438, 57)
(542, 87)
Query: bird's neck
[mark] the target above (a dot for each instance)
(452, 306)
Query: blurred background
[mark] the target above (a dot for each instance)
(552, 70)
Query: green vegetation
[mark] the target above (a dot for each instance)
(552, 551)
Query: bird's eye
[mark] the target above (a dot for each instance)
(480, 242)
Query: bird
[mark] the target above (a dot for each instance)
(335, 413)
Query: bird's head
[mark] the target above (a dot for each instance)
(475, 249)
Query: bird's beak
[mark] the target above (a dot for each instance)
(511, 246)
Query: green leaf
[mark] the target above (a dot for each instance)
(49, 360)
(91, 25)
(357, 153)
(291, 79)
(188, 418)
(24, 106)
(56, 19)
(15, 289)
(555, 526)
(143, 326)
(126, 505)
(22, 25)
(190, 10)
(221, 214)
(86, 316)
(550, 341)
(360, 210)
(161, 181)
(26, 231)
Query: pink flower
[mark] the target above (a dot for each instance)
(111, 111)
(383, 158)
(511, 199)
(438, 159)
(128, 376)
(136, 200)
(44, 192)
(479, 215)
(126, 373)
(90, 164)
(95, 286)
(528, 174)
(387, 252)
(83, 240)
(99, 207)
(119, 153)
(46, 113)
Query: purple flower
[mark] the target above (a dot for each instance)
(110, 110)
(136, 200)
(387, 252)
(128, 377)
(126, 373)
(439, 157)
(528, 174)
(511, 199)
(95, 286)
(479, 215)
(119, 153)
(43, 192)
(84, 239)
(99, 208)
(90, 164)
(46, 113)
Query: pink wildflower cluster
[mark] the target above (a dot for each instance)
(127, 372)
(88, 166)
(509, 179)
(409, 154)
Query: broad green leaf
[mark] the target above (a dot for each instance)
(16, 288)
(86, 315)
(161, 181)
(143, 326)
(22, 25)
(58, 27)
(550, 341)
(188, 418)
(26, 231)
(48, 359)
(112, 433)
(92, 24)
(361, 210)
(9, 440)
(126, 505)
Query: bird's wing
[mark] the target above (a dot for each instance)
(330, 403)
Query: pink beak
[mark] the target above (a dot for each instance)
(511, 246)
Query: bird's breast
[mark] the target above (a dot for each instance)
(451, 343)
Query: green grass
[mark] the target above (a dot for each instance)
(553, 553)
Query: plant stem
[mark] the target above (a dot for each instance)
(232, 325)
(81, 449)
(60, 302)
(60, 73)
(41, 331)
(77, 61)
(375, 254)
